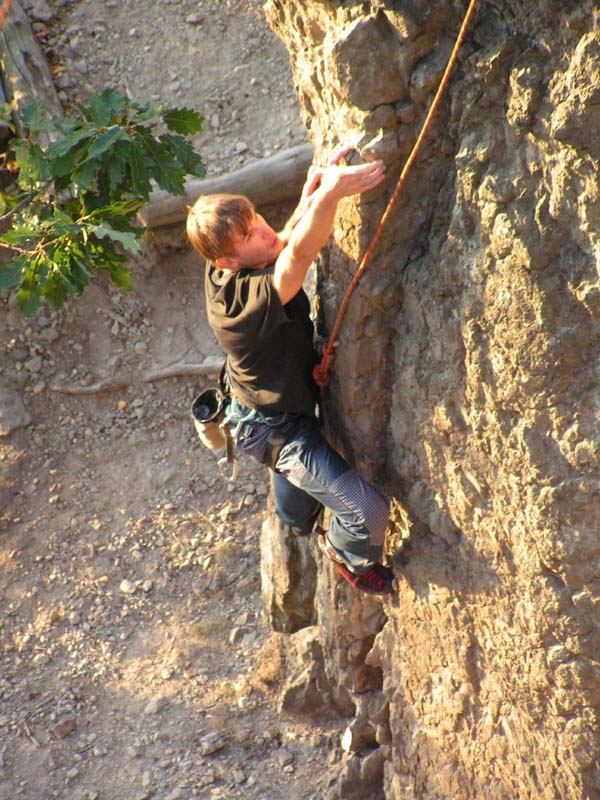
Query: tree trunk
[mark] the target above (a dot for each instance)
(26, 75)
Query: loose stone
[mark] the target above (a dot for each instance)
(155, 705)
(211, 743)
(284, 757)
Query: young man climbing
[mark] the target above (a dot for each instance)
(260, 315)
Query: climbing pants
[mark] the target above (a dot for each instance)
(310, 473)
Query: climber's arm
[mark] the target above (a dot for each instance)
(314, 226)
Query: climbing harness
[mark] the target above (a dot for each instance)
(321, 371)
(278, 428)
(218, 417)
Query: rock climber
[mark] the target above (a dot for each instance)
(260, 315)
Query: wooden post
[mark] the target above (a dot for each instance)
(25, 73)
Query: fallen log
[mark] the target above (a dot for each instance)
(266, 182)
(211, 366)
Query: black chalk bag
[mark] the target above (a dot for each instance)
(208, 411)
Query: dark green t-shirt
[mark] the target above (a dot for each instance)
(269, 347)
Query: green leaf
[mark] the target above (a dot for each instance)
(149, 113)
(182, 152)
(116, 173)
(104, 106)
(53, 223)
(84, 267)
(53, 288)
(5, 112)
(65, 125)
(108, 259)
(8, 200)
(199, 170)
(83, 177)
(60, 215)
(20, 234)
(31, 162)
(139, 172)
(167, 174)
(6, 115)
(56, 293)
(64, 166)
(118, 208)
(35, 118)
(116, 168)
(60, 148)
(127, 239)
(12, 273)
(106, 140)
(183, 120)
(120, 276)
(29, 300)
(28, 296)
(67, 276)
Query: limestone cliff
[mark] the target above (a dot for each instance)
(466, 385)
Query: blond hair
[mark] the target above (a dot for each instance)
(214, 219)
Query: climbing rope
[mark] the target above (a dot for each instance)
(4, 9)
(321, 371)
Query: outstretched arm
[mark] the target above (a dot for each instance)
(322, 192)
(313, 179)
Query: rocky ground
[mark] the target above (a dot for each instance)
(135, 660)
(216, 56)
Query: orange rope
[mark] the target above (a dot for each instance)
(4, 9)
(321, 371)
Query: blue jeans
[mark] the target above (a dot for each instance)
(310, 473)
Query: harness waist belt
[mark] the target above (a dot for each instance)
(276, 440)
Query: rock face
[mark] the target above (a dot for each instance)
(287, 577)
(466, 383)
(13, 414)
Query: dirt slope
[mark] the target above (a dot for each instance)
(135, 662)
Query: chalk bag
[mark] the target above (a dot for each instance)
(208, 410)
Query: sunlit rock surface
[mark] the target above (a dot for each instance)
(467, 385)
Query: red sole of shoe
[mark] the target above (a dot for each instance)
(354, 581)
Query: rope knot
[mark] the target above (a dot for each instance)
(321, 371)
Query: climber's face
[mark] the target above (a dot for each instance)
(258, 247)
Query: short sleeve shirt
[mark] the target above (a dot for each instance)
(269, 346)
